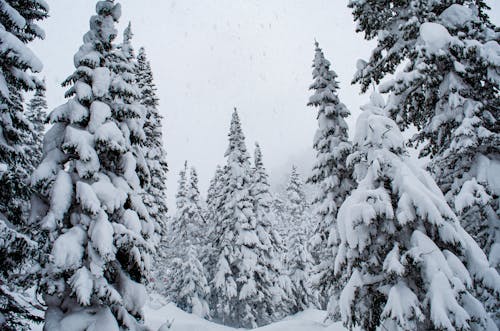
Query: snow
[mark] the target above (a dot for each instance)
(159, 313)
(101, 80)
(102, 237)
(99, 113)
(13, 48)
(68, 248)
(61, 196)
(82, 284)
(111, 197)
(309, 320)
(456, 16)
(111, 135)
(435, 36)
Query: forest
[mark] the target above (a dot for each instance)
(370, 238)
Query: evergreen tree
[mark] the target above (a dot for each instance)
(36, 113)
(154, 152)
(449, 91)
(18, 20)
(330, 174)
(298, 260)
(213, 195)
(92, 179)
(242, 279)
(189, 288)
(188, 284)
(274, 246)
(410, 264)
(188, 224)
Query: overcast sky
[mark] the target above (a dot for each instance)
(210, 56)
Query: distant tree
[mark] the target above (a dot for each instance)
(241, 281)
(274, 247)
(154, 151)
(188, 285)
(298, 260)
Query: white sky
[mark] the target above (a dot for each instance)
(209, 56)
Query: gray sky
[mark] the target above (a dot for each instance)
(209, 56)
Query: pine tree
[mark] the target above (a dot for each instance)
(274, 246)
(449, 91)
(188, 286)
(92, 179)
(241, 281)
(213, 195)
(153, 151)
(330, 174)
(36, 113)
(410, 264)
(298, 260)
(188, 224)
(18, 63)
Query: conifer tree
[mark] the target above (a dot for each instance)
(213, 195)
(188, 223)
(241, 281)
(298, 260)
(92, 179)
(153, 147)
(409, 263)
(330, 174)
(19, 27)
(274, 250)
(36, 113)
(449, 91)
(188, 286)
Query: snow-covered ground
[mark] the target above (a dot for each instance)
(309, 320)
(158, 312)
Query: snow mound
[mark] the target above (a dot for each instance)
(434, 36)
(456, 16)
(157, 315)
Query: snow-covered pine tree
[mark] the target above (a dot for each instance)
(91, 178)
(36, 113)
(153, 147)
(274, 247)
(188, 286)
(298, 260)
(188, 226)
(410, 264)
(241, 282)
(449, 91)
(330, 175)
(18, 21)
(295, 200)
(213, 196)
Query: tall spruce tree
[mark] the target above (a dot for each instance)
(188, 286)
(410, 265)
(330, 174)
(92, 180)
(153, 147)
(242, 280)
(298, 260)
(449, 90)
(19, 27)
(274, 246)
